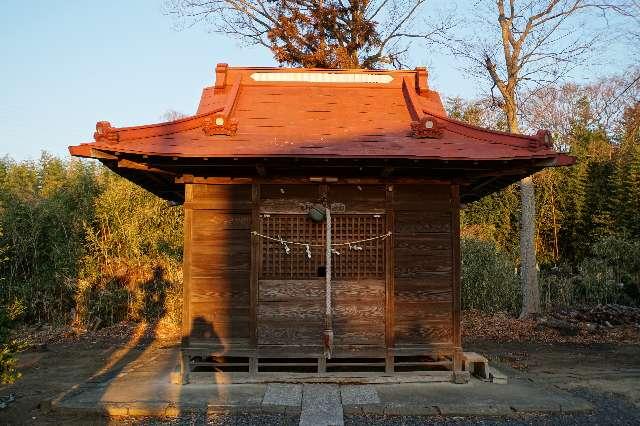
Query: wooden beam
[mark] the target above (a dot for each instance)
(387, 171)
(186, 178)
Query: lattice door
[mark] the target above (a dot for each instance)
(364, 260)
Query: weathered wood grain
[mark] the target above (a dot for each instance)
(221, 311)
(364, 333)
(295, 313)
(414, 197)
(371, 312)
(224, 197)
(204, 327)
(287, 333)
(354, 193)
(289, 192)
(222, 220)
(416, 222)
(223, 244)
(428, 311)
(418, 290)
(230, 288)
(422, 332)
(290, 290)
(363, 290)
(423, 242)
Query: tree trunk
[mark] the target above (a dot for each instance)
(528, 271)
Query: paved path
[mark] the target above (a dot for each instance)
(321, 405)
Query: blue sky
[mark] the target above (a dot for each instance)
(66, 64)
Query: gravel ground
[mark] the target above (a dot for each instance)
(610, 409)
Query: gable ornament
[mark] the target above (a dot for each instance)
(427, 127)
(105, 132)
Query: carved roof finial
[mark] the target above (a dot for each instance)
(105, 132)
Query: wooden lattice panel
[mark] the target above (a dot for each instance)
(350, 264)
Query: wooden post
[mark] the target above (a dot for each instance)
(186, 268)
(328, 321)
(455, 247)
(389, 288)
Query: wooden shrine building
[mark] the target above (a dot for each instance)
(321, 218)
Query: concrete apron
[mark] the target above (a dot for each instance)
(143, 388)
(316, 403)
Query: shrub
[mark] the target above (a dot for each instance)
(86, 245)
(8, 348)
(611, 274)
(132, 269)
(489, 279)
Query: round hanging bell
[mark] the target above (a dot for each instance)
(317, 213)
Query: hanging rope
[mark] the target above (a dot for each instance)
(353, 245)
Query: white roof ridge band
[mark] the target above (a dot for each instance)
(321, 77)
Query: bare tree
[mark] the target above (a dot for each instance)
(172, 115)
(556, 107)
(318, 33)
(521, 46)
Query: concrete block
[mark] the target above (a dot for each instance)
(113, 409)
(321, 405)
(282, 395)
(497, 376)
(546, 407)
(474, 410)
(142, 409)
(576, 406)
(410, 410)
(172, 411)
(475, 364)
(461, 377)
(359, 395)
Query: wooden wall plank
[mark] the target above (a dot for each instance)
(424, 221)
(421, 310)
(222, 287)
(290, 290)
(287, 333)
(289, 192)
(223, 197)
(219, 302)
(353, 193)
(294, 313)
(424, 265)
(366, 289)
(423, 332)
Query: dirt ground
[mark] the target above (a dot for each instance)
(607, 374)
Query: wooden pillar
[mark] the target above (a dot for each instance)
(456, 264)
(186, 268)
(390, 287)
(256, 259)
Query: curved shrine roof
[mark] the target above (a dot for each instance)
(318, 113)
(352, 124)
